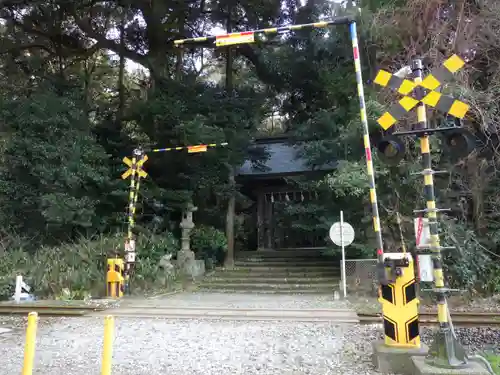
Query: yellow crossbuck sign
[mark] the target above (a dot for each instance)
(138, 167)
(413, 95)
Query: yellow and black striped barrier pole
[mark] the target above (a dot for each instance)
(249, 37)
(368, 155)
(445, 351)
(190, 149)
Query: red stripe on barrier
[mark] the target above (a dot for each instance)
(225, 36)
(368, 154)
(356, 53)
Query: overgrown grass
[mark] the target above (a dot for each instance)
(495, 362)
(78, 270)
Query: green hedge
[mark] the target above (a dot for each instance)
(209, 244)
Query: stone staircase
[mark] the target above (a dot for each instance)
(298, 271)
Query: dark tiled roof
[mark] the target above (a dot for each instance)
(283, 159)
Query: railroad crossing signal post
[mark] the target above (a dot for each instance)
(135, 172)
(445, 351)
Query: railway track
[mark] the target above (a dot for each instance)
(459, 319)
(50, 310)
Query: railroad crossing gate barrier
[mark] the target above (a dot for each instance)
(115, 280)
(399, 302)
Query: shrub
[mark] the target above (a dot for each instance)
(154, 246)
(209, 244)
(79, 269)
(150, 249)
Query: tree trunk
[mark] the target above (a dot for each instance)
(121, 71)
(231, 204)
(180, 52)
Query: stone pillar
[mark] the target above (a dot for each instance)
(185, 258)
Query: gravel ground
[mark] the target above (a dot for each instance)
(150, 347)
(73, 345)
(178, 347)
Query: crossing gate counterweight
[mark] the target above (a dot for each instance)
(399, 302)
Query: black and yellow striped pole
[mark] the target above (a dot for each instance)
(381, 274)
(190, 149)
(445, 351)
(247, 37)
(253, 36)
(135, 172)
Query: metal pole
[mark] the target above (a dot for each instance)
(344, 284)
(29, 346)
(445, 351)
(369, 164)
(107, 350)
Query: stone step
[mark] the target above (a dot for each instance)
(283, 254)
(295, 260)
(221, 279)
(279, 273)
(222, 289)
(284, 263)
(269, 286)
(290, 269)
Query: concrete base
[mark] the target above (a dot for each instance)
(389, 360)
(422, 368)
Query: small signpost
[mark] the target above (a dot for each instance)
(342, 234)
(423, 241)
(22, 290)
(422, 232)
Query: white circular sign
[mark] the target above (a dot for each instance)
(347, 234)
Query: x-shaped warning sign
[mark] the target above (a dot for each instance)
(413, 96)
(135, 165)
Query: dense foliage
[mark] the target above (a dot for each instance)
(84, 83)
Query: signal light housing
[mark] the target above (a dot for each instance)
(459, 142)
(391, 149)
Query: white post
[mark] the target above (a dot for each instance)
(344, 282)
(17, 293)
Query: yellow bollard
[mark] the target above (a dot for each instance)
(29, 347)
(107, 351)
